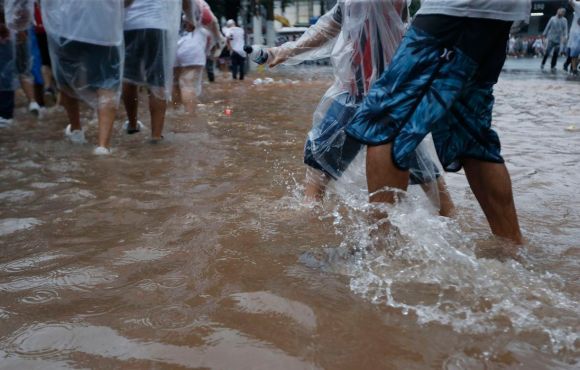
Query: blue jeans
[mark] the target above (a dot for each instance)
(555, 47)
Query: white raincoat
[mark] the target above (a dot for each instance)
(164, 15)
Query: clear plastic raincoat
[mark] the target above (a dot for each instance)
(86, 46)
(360, 37)
(151, 34)
(202, 16)
(18, 16)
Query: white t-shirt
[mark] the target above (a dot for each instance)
(505, 10)
(236, 37)
(153, 14)
(92, 21)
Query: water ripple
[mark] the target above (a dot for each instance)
(41, 340)
(175, 316)
(41, 296)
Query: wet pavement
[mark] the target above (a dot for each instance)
(198, 252)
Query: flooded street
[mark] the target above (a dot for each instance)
(198, 253)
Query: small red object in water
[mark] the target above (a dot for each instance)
(228, 111)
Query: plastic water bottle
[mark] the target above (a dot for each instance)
(257, 53)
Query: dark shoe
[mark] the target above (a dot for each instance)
(130, 130)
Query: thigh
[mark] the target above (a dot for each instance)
(133, 54)
(103, 65)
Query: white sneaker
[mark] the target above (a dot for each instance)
(34, 108)
(5, 122)
(140, 126)
(75, 136)
(101, 150)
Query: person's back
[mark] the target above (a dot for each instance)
(91, 21)
(370, 34)
(150, 31)
(235, 39)
(236, 36)
(85, 40)
(146, 14)
(574, 37)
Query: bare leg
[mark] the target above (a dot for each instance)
(440, 197)
(47, 76)
(28, 88)
(491, 184)
(107, 111)
(157, 107)
(446, 206)
(176, 95)
(315, 185)
(382, 176)
(131, 102)
(382, 173)
(71, 105)
(187, 85)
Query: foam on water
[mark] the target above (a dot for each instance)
(12, 225)
(15, 195)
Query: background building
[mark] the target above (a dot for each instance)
(542, 11)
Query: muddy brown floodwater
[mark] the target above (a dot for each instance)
(197, 253)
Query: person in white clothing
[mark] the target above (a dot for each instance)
(555, 32)
(440, 82)
(235, 40)
(151, 31)
(192, 49)
(85, 40)
(574, 38)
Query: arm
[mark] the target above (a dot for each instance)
(548, 26)
(315, 43)
(199, 13)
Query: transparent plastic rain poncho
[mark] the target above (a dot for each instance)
(7, 65)
(149, 61)
(18, 15)
(201, 15)
(85, 39)
(360, 37)
(574, 38)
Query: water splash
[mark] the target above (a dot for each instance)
(430, 270)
